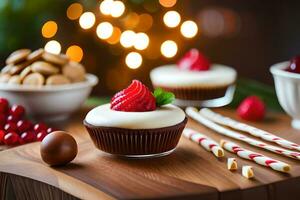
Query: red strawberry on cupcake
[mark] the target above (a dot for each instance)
(194, 60)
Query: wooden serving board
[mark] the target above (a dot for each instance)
(188, 173)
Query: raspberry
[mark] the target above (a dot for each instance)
(252, 108)
(135, 98)
(194, 60)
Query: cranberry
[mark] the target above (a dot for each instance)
(40, 136)
(10, 127)
(12, 118)
(294, 65)
(2, 120)
(24, 125)
(39, 127)
(50, 130)
(2, 134)
(28, 137)
(17, 111)
(11, 138)
(3, 105)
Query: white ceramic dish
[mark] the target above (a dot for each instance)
(49, 103)
(287, 86)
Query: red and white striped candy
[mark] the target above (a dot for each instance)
(206, 142)
(256, 157)
(193, 113)
(226, 121)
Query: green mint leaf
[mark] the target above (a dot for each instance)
(162, 97)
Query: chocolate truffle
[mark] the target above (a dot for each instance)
(58, 148)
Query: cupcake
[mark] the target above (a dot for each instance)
(137, 123)
(195, 81)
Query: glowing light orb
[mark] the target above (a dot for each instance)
(49, 29)
(74, 11)
(118, 9)
(141, 41)
(134, 60)
(172, 19)
(53, 47)
(75, 53)
(189, 29)
(127, 38)
(167, 3)
(87, 20)
(104, 30)
(168, 49)
(106, 6)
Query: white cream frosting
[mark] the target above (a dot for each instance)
(172, 76)
(167, 115)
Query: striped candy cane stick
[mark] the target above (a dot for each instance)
(226, 121)
(193, 113)
(204, 141)
(256, 157)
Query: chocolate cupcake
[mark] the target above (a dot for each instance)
(137, 123)
(196, 82)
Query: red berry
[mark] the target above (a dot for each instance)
(28, 137)
(194, 60)
(39, 127)
(135, 98)
(24, 125)
(40, 136)
(3, 105)
(11, 138)
(252, 108)
(50, 130)
(294, 65)
(17, 111)
(12, 118)
(2, 134)
(2, 120)
(10, 127)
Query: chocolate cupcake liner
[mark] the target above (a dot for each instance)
(122, 141)
(196, 93)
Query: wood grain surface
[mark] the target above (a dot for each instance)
(188, 173)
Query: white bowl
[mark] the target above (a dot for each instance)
(49, 103)
(287, 86)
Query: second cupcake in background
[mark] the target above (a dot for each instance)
(195, 81)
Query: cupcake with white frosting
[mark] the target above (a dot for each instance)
(195, 81)
(137, 123)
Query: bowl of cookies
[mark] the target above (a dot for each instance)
(50, 86)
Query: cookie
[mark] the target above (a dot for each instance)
(18, 56)
(36, 55)
(16, 79)
(44, 68)
(55, 59)
(6, 69)
(35, 79)
(4, 78)
(57, 80)
(74, 71)
(25, 72)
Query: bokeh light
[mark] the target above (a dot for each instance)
(104, 30)
(75, 53)
(49, 29)
(167, 3)
(172, 19)
(74, 11)
(87, 20)
(189, 29)
(118, 9)
(145, 22)
(115, 37)
(106, 7)
(127, 38)
(131, 20)
(134, 60)
(141, 41)
(168, 49)
(53, 47)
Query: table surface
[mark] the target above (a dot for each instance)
(189, 172)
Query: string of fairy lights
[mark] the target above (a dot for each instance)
(135, 42)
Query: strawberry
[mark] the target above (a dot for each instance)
(194, 60)
(135, 98)
(252, 108)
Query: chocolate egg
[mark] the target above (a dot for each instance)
(58, 148)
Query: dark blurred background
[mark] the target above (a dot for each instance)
(247, 35)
